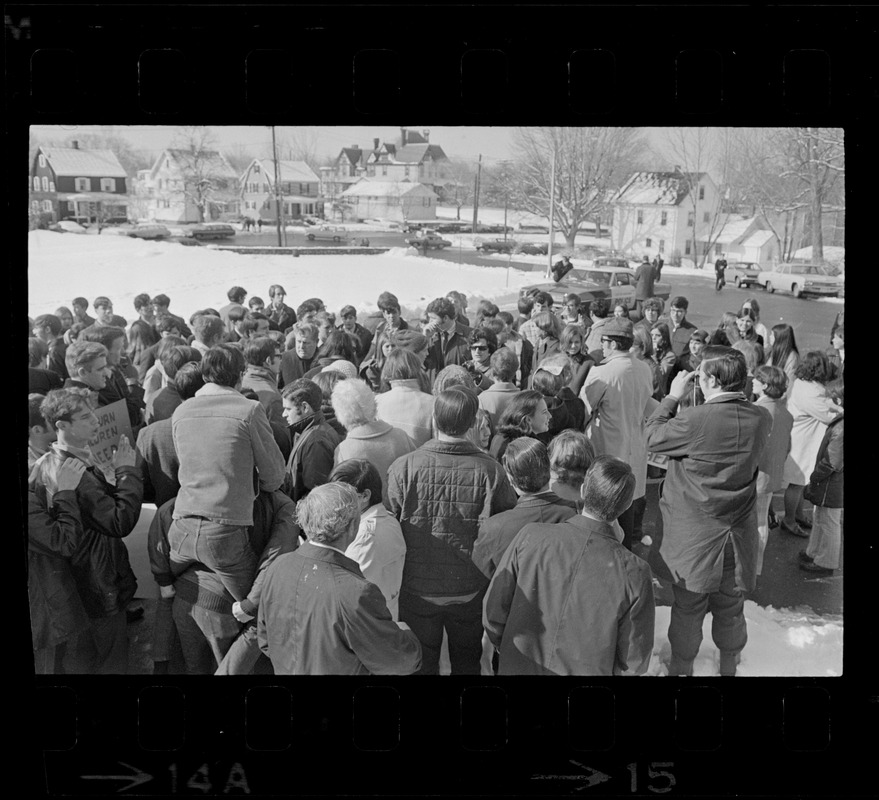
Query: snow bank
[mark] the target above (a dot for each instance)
(61, 267)
(781, 643)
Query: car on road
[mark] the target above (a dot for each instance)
(149, 231)
(211, 230)
(743, 273)
(452, 227)
(429, 241)
(327, 233)
(616, 284)
(533, 248)
(528, 228)
(801, 280)
(496, 245)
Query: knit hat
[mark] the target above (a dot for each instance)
(618, 326)
(345, 367)
(410, 340)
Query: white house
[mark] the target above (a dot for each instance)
(299, 184)
(658, 212)
(391, 200)
(178, 177)
(744, 239)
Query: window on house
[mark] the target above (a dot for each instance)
(47, 205)
(384, 170)
(691, 219)
(51, 186)
(662, 245)
(81, 184)
(108, 184)
(648, 242)
(706, 217)
(687, 247)
(36, 184)
(42, 161)
(663, 218)
(640, 217)
(45, 184)
(35, 205)
(256, 169)
(701, 192)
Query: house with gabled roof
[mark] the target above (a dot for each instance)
(299, 188)
(744, 239)
(184, 185)
(372, 198)
(665, 213)
(82, 185)
(410, 158)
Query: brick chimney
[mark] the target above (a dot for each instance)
(375, 143)
(426, 134)
(402, 137)
(75, 144)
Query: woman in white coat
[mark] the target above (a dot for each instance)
(812, 410)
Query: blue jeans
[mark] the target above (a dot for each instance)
(729, 630)
(205, 636)
(243, 655)
(225, 549)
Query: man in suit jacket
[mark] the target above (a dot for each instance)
(449, 340)
(317, 614)
(678, 327)
(568, 598)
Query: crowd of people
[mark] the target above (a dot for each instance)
(383, 496)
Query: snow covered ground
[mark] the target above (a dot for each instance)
(62, 266)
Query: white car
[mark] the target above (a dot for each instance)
(801, 280)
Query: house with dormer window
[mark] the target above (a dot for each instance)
(299, 188)
(675, 214)
(82, 185)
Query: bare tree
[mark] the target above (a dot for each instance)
(297, 144)
(207, 176)
(458, 186)
(590, 163)
(697, 151)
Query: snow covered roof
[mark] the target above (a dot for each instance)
(366, 187)
(658, 188)
(416, 153)
(73, 162)
(208, 159)
(289, 171)
(758, 239)
(733, 230)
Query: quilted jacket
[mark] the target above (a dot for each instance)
(441, 493)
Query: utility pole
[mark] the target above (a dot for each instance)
(551, 215)
(476, 180)
(277, 186)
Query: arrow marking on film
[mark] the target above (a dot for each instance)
(135, 779)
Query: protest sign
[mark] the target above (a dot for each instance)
(113, 421)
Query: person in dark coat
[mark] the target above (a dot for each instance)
(825, 492)
(526, 462)
(440, 493)
(362, 337)
(568, 598)
(657, 267)
(708, 505)
(299, 358)
(645, 275)
(57, 613)
(719, 273)
(448, 339)
(47, 328)
(279, 313)
(317, 614)
(561, 268)
(679, 327)
(100, 566)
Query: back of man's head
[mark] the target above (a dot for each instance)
(236, 294)
(454, 410)
(53, 323)
(504, 364)
(223, 365)
(526, 461)
(608, 488)
(525, 305)
(208, 329)
(258, 350)
(176, 357)
(188, 380)
(727, 365)
(329, 512)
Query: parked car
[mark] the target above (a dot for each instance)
(327, 232)
(149, 231)
(611, 262)
(211, 230)
(743, 273)
(453, 227)
(533, 248)
(429, 241)
(616, 284)
(496, 245)
(493, 228)
(801, 280)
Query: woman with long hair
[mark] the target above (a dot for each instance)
(549, 329)
(753, 306)
(689, 362)
(571, 344)
(526, 415)
(783, 352)
(336, 347)
(813, 410)
(408, 404)
(663, 356)
(726, 333)
(642, 349)
(745, 323)
(567, 411)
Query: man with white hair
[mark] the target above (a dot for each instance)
(318, 615)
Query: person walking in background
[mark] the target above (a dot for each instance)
(645, 276)
(719, 273)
